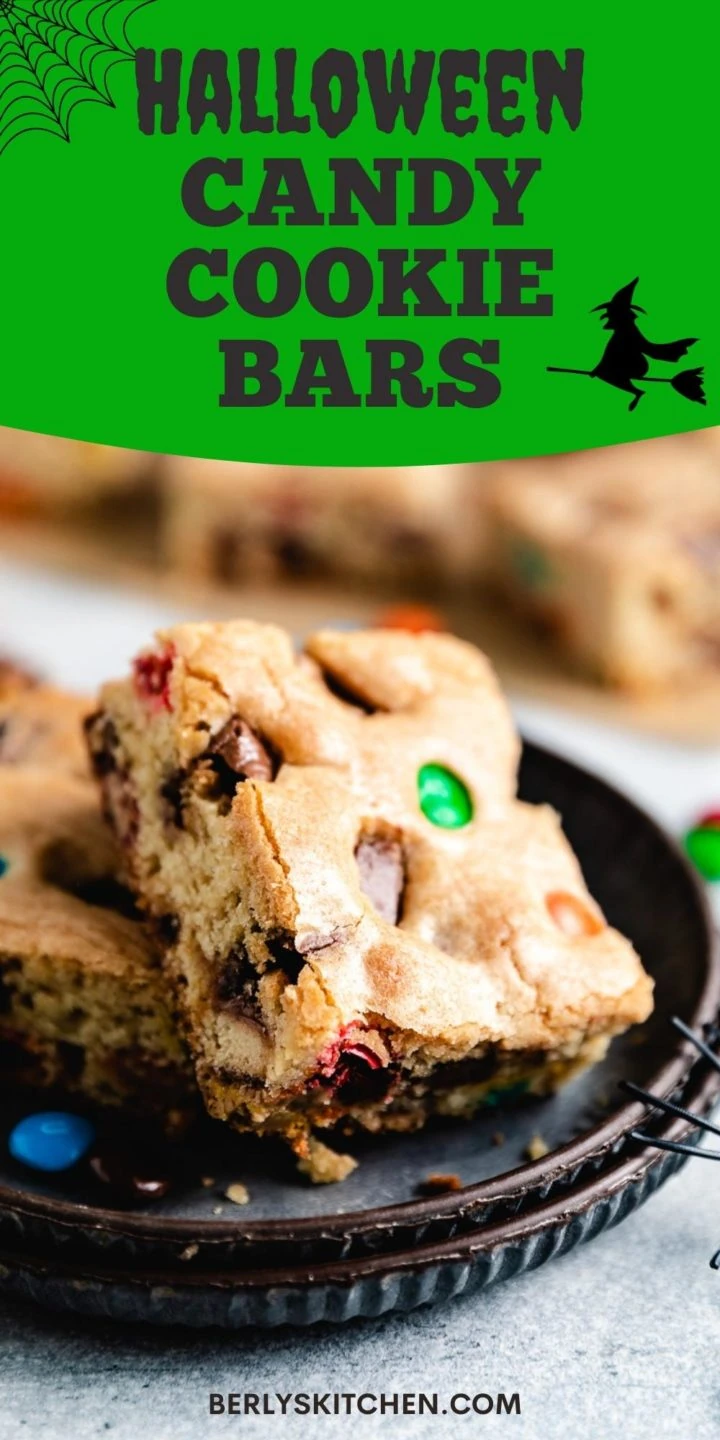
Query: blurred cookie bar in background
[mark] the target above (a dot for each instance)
(232, 522)
(42, 725)
(616, 552)
(39, 472)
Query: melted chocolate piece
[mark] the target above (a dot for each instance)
(382, 876)
(243, 751)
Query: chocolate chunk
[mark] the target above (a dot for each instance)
(382, 876)
(243, 752)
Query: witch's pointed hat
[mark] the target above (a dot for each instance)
(622, 300)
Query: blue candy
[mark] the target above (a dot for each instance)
(51, 1140)
(4, 865)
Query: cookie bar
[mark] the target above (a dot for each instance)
(232, 522)
(617, 553)
(15, 677)
(46, 470)
(41, 725)
(363, 924)
(82, 996)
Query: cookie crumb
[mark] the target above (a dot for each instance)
(189, 1252)
(207, 1181)
(497, 1138)
(439, 1185)
(217, 1210)
(238, 1193)
(536, 1148)
(324, 1166)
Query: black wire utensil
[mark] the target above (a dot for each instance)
(669, 1107)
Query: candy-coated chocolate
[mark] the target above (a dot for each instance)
(531, 566)
(571, 915)
(415, 618)
(444, 800)
(710, 820)
(151, 674)
(703, 847)
(51, 1140)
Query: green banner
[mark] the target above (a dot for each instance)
(358, 235)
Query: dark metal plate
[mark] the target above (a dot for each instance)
(645, 888)
(367, 1286)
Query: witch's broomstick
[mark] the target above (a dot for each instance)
(689, 383)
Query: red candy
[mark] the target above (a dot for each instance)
(415, 618)
(348, 1068)
(709, 821)
(151, 674)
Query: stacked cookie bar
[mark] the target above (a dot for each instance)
(83, 1002)
(362, 924)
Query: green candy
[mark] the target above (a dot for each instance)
(531, 566)
(444, 800)
(506, 1092)
(703, 847)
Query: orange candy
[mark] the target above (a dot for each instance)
(415, 618)
(571, 915)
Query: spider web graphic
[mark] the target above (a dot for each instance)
(54, 54)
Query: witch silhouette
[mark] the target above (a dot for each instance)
(627, 355)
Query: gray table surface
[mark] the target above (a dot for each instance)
(619, 1338)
